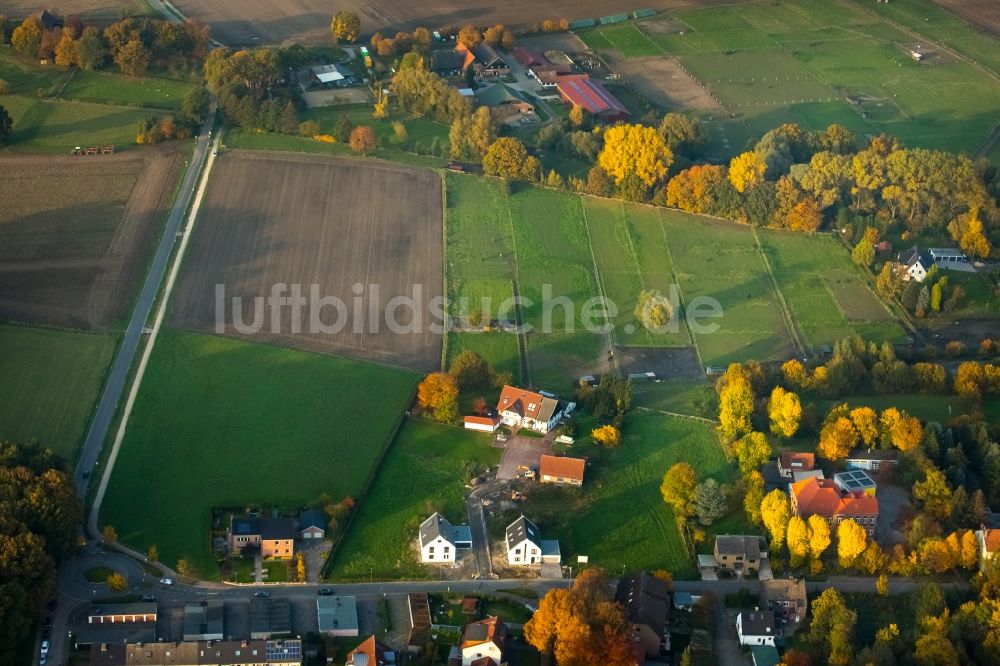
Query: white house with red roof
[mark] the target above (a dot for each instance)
(526, 409)
(989, 544)
(483, 642)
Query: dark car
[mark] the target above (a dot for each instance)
(261, 594)
(326, 592)
(148, 597)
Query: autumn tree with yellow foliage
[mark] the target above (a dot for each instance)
(746, 171)
(819, 541)
(735, 407)
(635, 150)
(865, 421)
(775, 511)
(785, 411)
(852, 540)
(836, 439)
(438, 392)
(607, 436)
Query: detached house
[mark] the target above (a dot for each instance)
(739, 554)
(483, 642)
(273, 536)
(525, 546)
(787, 599)
(790, 462)
(371, 653)
(755, 627)
(439, 540)
(646, 599)
(527, 409)
(911, 265)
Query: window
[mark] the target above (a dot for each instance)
(431, 550)
(431, 556)
(446, 550)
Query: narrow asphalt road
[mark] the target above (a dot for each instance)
(117, 377)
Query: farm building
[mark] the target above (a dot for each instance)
(505, 104)
(755, 627)
(439, 540)
(484, 60)
(203, 621)
(790, 462)
(337, 616)
(527, 409)
(447, 62)
(872, 459)
(593, 97)
(332, 74)
(646, 599)
(481, 423)
(562, 470)
(312, 524)
(911, 265)
(822, 497)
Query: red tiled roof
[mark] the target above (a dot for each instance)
(521, 401)
(563, 467)
(813, 496)
(484, 661)
(992, 540)
(481, 420)
(370, 648)
(528, 57)
(489, 630)
(591, 95)
(807, 461)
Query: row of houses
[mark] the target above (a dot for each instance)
(439, 542)
(199, 653)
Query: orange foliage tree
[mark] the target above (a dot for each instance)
(438, 392)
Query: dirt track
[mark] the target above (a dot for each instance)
(275, 218)
(76, 233)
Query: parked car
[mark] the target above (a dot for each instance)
(45, 647)
(326, 592)
(261, 594)
(166, 581)
(148, 597)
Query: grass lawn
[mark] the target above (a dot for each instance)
(825, 291)
(932, 407)
(113, 88)
(720, 261)
(28, 78)
(498, 347)
(98, 574)
(222, 422)
(619, 518)
(422, 473)
(242, 570)
(276, 571)
(56, 127)
(695, 398)
(50, 382)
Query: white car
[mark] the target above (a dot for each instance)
(166, 581)
(45, 648)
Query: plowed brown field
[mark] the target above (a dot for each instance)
(76, 233)
(334, 223)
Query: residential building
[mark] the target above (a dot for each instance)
(488, 62)
(201, 653)
(524, 545)
(755, 627)
(203, 621)
(807, 474)
(854, 481)
(440, 540)
(822, 497)
(872, 460)
(371, 653)
(483, 640)
(592, 97)
(989, 543)
(787, 599)
(790, 462)
(740, 553)
(482, 423)
(270, 617)
(312, 524)
(527, 409)
(562, 470)
(337, 616)
(273, 537)
(911, 265)
(646, 599)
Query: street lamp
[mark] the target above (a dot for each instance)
(371, 574)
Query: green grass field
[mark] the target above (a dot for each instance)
(720, 261)
(56, 127)
(824, 290)
(50, 381)
(113, 88)
(820, 61)
(620, 517)
(422, 473)
(221, 422)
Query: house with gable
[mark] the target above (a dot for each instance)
(483, 642)
(646, 599)
(439, 540)
(527, 409)
(911, 265)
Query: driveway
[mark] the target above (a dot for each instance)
(725, 642)
(891, 500)
(526, 451)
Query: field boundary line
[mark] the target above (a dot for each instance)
(680, 292)
(678, 415)
(444, 266)
(798, 338)
(600, 283)
(148, 350)
(515, 284)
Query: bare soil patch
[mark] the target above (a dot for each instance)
(666, 362)
(334, 223)
(308, 21)
(76, 233)
(663, 82)
(982, 13)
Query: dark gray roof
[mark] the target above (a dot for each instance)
(739, 544)
(783, 589)
(757, 623)
(270, 617)
(312, 518)
(245, 526)
(646, 599)
(487, 55)
(118, 632)
(445, 60)
(195, 653)
(203, 621)
(909, 257)
(522, 529)
(434, 527)
(135, 608)
(277, 528)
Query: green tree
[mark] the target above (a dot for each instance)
(682, 133)
(653, 310)
(709, 502)
(471, 371)
(832, 627)
(752, 450)
(6, 125)
(863, 253)
(90, 51)
(345, 27)
(508, 158)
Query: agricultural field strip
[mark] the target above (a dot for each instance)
(786, 313)
(677, 282)
(597, 275)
